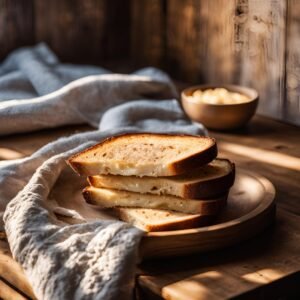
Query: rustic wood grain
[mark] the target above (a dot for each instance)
(244, 44)
(84, 31)
(148, 32)
(8, 293)
(116, 41)
(76, 25)
(292, 103)
(16, 25)
(12, 272)
(260, 35)
(205, 45)
(183, 41)
(232, 272)
(219, 55)
(31, 142)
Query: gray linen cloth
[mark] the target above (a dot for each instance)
(95, 259)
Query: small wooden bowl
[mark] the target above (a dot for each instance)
(220, 116)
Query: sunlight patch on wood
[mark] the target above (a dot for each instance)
(192, 287)
(263, 276)
(6, 153)
(266, 156)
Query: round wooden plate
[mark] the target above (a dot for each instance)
(250, 209)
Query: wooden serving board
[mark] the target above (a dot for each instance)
(250, 209)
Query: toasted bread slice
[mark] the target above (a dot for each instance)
(205, 182)
(149, 219)
(145, 154)
(107, 198)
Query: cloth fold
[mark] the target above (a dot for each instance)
(93, 260)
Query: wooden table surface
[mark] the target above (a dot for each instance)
(265, 267)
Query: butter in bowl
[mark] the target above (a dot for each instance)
(221, 107)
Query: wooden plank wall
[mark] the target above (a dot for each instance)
(16, 25)
(250, 42)
(292, 103)
(89, 31)
(263, 52)
(232, 41)
(147, 42)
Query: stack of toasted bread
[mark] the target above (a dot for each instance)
(157, 181)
